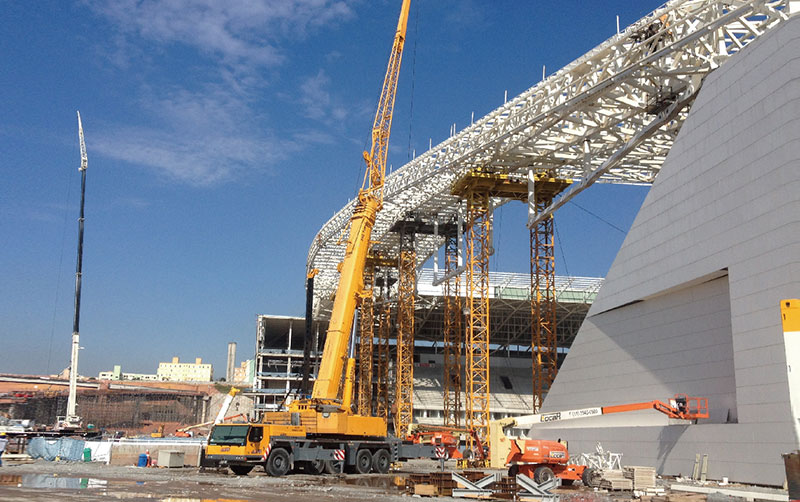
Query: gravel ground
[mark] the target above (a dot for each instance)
(44, 481)
(78, 481)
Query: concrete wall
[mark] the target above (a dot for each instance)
(127, 453)
(691, 303)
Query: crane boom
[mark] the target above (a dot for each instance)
(72, 420)
(370, 200)
(382, 125)
(680, 406)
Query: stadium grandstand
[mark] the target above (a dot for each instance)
(279, 348)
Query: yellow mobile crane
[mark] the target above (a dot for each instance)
(322, 432)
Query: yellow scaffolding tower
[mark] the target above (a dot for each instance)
(478, 187)
(365, 349)
(453, 335)
(544, 342)
(404, 367)
(383, 361)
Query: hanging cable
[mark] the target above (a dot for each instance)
(413, 80)
(598, 217)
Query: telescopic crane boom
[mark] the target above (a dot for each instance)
(322, 432)
(72, 420)
(370, 200)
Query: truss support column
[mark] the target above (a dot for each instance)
(453, 335)
(404, 367)
(365, 343)
(384, 331)
(477, 298)
(544, 342)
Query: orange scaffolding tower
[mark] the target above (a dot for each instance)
(366, 336)
(404, 367)
(383, 362)
(479, 227)
(478, 187)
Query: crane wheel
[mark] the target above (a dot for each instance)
(543, 474)
(333, 466)
(278, 463)
(363, 461)
(314, 467)
(381, 461)
(241, 470)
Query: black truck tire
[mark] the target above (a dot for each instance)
(381, 461)
(278, 463)
(543, 474)
(241, 470)
(363, 461)
(314, 467)
(333, 466)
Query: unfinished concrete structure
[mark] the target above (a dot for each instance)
(691, 303)
(279, 345)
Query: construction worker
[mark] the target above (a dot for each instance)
(3, 443)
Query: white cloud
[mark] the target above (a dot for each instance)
(466, 14)
(239, 32)
(198, 138)
(317, 102)
(211, 127)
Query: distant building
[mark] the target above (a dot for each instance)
(117, 374)
(231, 366)
(245, 373)
(177, 371)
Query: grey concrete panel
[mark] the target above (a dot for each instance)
(727, 202)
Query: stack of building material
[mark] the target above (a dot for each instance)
(642, 477)
(507, 488)
(615, 480)
(443, 481)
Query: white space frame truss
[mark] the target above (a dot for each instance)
(611, 116)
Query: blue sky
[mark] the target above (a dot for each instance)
(221, 136)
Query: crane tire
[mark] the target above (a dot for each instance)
(381, 461)
(241, 470)
(333, 466)
(363, 461)
(278, 463)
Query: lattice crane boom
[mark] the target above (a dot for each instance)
(328, 385)
(381, 127)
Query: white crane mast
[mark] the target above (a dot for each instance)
(72, 420)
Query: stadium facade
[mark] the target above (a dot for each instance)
(691, 302)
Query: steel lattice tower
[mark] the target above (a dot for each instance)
(404, 368)
(383, 360)
(544, 342)
(366, 328)
(479, 226)
(453, 335)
